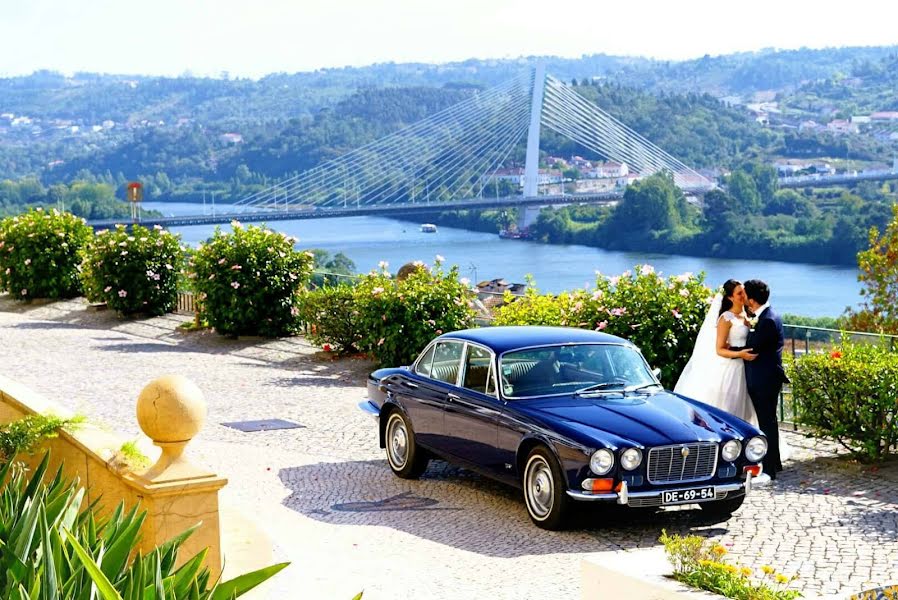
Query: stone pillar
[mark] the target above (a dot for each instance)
(175, 493)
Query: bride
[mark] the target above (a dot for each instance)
(715, 374)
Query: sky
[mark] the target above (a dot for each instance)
(250, 38)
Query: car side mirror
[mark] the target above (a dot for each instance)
(656, 372)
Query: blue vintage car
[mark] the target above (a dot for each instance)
(567, 415)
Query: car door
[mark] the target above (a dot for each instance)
(424, 397)
(473, 409)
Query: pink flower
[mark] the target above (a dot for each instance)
(376, 291)
(380, 342)
(236, 268)
(684, 292)
(614, 280)
(122, 294)
(107, 288)
(647, 269)
(617, 312)
(676, 314)
(221, 261)
(601, 325)
(235, 285)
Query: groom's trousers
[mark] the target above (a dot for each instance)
(766, 400)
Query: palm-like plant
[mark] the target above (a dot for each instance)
(51, 549)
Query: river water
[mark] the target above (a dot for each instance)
(810, 290)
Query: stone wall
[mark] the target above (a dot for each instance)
(176, 494)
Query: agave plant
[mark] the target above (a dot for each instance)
(51, 549)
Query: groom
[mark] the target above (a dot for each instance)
(765, 375)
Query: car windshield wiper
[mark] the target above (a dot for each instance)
(636, 388)
(601, 387)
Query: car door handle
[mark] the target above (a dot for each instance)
(409, 384)
(452, 397)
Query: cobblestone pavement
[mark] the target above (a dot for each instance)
(324, 493)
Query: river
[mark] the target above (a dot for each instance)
(796, 288)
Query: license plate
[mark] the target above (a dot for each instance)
(687, 496)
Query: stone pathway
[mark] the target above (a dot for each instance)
(326, 497)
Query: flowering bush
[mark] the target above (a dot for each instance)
(247, 282)
(702, 565)
(330, 317)
(39, 254)
(848, 394)
(660, 315)
(396, 319)
(133, 271)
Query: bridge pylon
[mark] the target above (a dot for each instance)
(527, 215)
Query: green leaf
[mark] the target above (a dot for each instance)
(243, 583)
(104, 587)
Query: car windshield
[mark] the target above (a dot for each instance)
(573, 367)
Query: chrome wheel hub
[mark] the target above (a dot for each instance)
(398, 437)
(540, 488)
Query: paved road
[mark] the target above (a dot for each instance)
(324, 494)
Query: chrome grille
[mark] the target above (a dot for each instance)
(666, 464)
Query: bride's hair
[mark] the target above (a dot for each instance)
(728, 288)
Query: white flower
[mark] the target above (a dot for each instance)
(684, 292)
(130, 238)
(123, 244)
(614, 280)
(236, 224)
(684, 277)
(122, 293)
(647, 269)
(168, 266)
(27, 261)
(383, 264)
(221, 261)
(124, 253)
(376, 291)
(418, 263)
(438, 259)
(235, 285)
(107, 288)
(157, 227)
(465, 281)
(24, 292)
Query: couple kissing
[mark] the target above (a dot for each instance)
(737, 364)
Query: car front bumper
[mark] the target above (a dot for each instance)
(653, 497)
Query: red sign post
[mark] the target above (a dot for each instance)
(134, 193)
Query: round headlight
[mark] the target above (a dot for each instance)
(731, 450)
(755, 449)
(601, 461)
(631, 458)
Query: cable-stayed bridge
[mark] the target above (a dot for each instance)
(449, 160)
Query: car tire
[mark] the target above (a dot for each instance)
(545, 491)
(405, 458)
(723, 509)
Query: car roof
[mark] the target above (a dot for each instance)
(503, 339)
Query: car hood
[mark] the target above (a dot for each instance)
(638, 419)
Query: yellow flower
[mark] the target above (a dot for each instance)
(718, 550)
(780, 578)
(746, 572)
(767, 569)
(731, 568)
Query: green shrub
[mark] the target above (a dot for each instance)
(660, 315)
(330, 318)
(133, 271)
(397, 318)
(248, 281)
(40, 254)
(534, 308)
(848, 394)
(22, 435)
(56, 547)
(701, 564)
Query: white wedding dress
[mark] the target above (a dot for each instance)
(714, 379)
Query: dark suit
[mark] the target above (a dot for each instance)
(765, 377)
